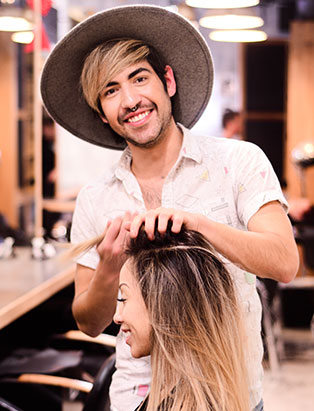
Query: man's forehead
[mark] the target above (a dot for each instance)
(130, 70)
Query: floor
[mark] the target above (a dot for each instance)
(291, 388)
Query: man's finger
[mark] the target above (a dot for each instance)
(113, 231)
(177, 221)
(135, 224)
(163, 219)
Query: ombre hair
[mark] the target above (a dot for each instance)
(109, 59)
(198, 340)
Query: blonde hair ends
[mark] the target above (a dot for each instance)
(76, 250)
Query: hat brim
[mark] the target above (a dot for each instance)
(174, 37)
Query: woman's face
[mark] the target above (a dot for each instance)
(132, 314)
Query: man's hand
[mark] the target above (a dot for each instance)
(163, 215)
(111, 249)
(266, 249)
(96, 290)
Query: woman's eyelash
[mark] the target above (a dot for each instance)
(121, 300)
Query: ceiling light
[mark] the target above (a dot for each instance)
(221, 4)
(231, 22)
(14, 18)
(238, 36)
(23, 37)
(10, 23)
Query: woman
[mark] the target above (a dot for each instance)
(178, 303)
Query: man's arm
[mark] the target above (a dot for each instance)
(96, 290)
(267, 249)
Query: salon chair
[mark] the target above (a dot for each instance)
(304, 235)
(271, 321)
(8, 406)
(50, 390)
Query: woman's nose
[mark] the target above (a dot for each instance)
(117, 318)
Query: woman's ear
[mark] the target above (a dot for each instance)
(170, 81)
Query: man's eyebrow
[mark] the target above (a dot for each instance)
(130, 76)
(137, 71)
(111, 83)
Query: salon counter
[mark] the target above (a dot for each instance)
(25, 283)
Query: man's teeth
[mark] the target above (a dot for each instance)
(138, 117)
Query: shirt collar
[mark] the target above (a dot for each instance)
(190, 148)
(124, 165)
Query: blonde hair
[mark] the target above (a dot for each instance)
(198, 345)
(198, 338)
(105, 61)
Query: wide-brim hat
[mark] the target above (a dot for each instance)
(174, 37)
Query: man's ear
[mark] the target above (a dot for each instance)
(170, 81)
(103, 118)
(101, 113)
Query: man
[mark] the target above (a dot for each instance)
(146, 76)
(232, 124)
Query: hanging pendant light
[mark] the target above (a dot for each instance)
(23, 37)
(238, 36)
(14, 18)
(234, 25)
(221, 4)
(231, 22)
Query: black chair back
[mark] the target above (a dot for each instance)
(98, 398)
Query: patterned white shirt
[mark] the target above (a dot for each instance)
(227, 181)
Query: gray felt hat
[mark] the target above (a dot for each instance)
(174, 37)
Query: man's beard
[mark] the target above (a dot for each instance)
(156, 137)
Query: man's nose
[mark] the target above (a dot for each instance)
(130, 98)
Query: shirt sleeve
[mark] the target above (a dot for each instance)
(256, 183)
(84, 228)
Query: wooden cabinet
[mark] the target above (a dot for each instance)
(16, 139)
(264, 99)
(300, 108)
(8, 130)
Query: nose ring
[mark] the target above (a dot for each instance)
(134, 108)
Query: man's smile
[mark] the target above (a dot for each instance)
(138, 117)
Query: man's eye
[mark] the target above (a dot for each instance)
(109, 92)
(140, 79)
(121, 300)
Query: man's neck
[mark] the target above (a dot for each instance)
(157, 161)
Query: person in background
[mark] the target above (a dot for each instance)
(49, 173)
(232, 124)
(140, 77)
(299, 207)
(197, 347)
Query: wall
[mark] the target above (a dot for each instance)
(8, 129)
(300, 116)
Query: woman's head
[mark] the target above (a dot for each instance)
(191, 320)
(132, 313)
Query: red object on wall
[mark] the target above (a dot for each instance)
(45, 43)
(45, 6)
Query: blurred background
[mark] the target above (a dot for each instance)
(268, 80)
(263, 92)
